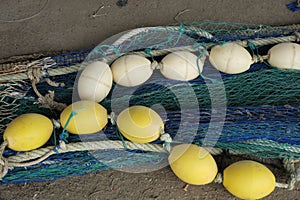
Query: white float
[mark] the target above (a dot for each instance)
(285, 56)
(131, 70)
(230, 58)
(95, 82)
(181, 65)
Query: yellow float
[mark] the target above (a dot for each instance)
(140, 124)
(193, 164)
(248, 180)
(28, 131)
(88, 117)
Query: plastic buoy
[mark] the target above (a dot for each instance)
(230, 58)
(193, 164)
(181, 65)
(28, 131)
(88, 117)
(131, 70)
(248, 180)
(140, 124)
(95, 82)
(285, 56)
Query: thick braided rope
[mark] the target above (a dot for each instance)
(3, 161)
(75, 68)
(39, 155)
(25, 58)
(85, 146)
(111, 144)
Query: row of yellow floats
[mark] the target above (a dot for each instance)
(191, 163)
(30, 131)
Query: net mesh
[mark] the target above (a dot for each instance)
(263, 106)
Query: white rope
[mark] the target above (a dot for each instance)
(166, 138)
(86, 146)
(56, 123)
(111, 144)
(137, 31)
(76, 67)
(39, 155)
(112, 116)
(3, 161)
(93, 145)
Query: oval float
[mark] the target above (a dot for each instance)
(28, 131)
(230, 58)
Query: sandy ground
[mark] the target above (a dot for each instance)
(69, 24)
(111, 184)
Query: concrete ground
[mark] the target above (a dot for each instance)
(67, 25)
(70, 25)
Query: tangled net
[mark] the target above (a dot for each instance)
(262, 105)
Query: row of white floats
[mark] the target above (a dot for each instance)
(96, 79)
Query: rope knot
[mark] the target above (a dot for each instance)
(156, 65)
(56, 123)
(112, 116)
(166, 138)
(292, 181)
(289, 165)
(219, 178)
(34, 74)
(48, 101)
(259, 58)
(62, 145)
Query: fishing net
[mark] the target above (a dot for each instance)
(258, 111)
